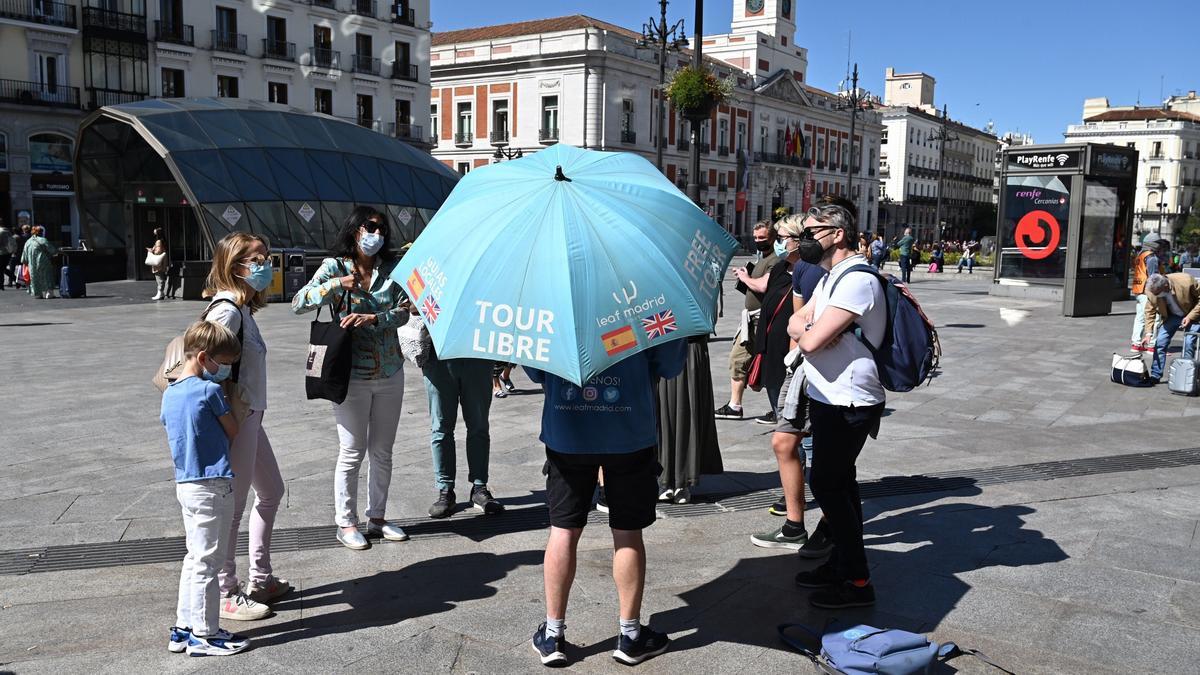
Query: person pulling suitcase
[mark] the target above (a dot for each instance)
(1175, 298)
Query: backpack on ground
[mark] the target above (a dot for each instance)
(910, 351)
(1181, 378)
(1130, 370)
(866, 650)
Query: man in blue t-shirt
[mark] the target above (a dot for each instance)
(609, 424)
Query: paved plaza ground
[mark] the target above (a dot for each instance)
(1021, 504)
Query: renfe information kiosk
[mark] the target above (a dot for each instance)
(1065, 221)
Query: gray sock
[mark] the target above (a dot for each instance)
(555, 627)
(631, 628)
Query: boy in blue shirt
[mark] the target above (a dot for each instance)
(199, 426)
(610, 424)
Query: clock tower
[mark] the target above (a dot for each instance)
(776, 18)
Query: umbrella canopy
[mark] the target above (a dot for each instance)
(568, 261)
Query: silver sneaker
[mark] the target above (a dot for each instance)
(352, 539)
(387, 531)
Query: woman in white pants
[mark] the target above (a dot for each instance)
(358, 286)
(241, 272)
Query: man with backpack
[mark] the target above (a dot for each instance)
(846, 395)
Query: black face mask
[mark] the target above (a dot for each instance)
(811, 251)
(763, 246)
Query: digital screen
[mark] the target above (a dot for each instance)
(1101, 212)
(1033, 231)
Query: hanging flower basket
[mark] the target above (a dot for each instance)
(696, 91)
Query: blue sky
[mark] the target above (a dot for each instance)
(1025, 64)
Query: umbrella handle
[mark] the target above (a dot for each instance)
(558, 174)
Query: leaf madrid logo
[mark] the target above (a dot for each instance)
(658, 325)
(619, 340)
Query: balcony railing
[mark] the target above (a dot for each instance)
(721, 187)
(94, 17)
(548, 135)
(405, 71)
(498, 137)
(628, 136)
(722, 150)
(365, 63)
(408, 132)
(405, 16)
(234, 43)
(319, 57)
(777, 158)
(36, 93)
(364, 8)
(102, 97)
(177, 33)
(48, 13)
(464, 138)
(279, 50)
(705, 149)
(683, 144)
(871, 171)
(327, 4)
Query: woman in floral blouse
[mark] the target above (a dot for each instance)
(357, 284)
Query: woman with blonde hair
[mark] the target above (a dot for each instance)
(240, 274)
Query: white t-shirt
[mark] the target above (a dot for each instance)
(844, 374)
(252, 374)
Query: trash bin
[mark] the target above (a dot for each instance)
(193, 275)
(275, 292)
(294, 276)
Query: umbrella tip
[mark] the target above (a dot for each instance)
(558, 174)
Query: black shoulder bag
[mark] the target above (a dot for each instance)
(330, 356)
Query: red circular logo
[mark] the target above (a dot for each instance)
(1037, 235)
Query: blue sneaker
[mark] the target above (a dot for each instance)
(649, 643)
(549, 649)
(179, 639)
(223, 643)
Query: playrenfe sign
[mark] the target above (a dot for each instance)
(1045, 160)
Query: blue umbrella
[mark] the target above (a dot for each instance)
(568, 261)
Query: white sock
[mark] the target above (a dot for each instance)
(631, 628)
(555, 627)
(734, 407)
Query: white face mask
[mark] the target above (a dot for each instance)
(370, 243)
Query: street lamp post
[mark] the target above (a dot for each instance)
(941, 136)
(1161, 186)
(503, 153)
(698, 63)
(854, 103)
(656, 32)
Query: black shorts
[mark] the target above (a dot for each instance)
(630, 487)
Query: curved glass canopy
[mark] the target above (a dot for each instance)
(242, 165)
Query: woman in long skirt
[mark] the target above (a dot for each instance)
(687, 431)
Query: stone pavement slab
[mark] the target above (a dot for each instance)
(1093, 573)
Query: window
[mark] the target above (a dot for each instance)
(277, 92)
(500, 119)
(1157, 151)
(466, 119)
(403, 53)
(227, 28)
(322, 54)
(741, 135)
(1154, 174)
(464, 168)
(433, 120)
(172, 83)
(550, 113)
(403, 111)
(365, 110)
(362, 44)
(323, 101)
(763, 136)
(227, 86)
(723, 133)
(626, 116)
(276, 42)
(49, 74)
(50, 153)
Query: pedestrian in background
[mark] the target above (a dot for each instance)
(8, 247)
(905, 246)
(158, 253)
(878, 251)
(37, 256)
(241, 272)
(21, 235)
(200, 425)
(754, 282)
(357, 280)
(1145, 264)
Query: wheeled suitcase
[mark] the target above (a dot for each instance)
(71, 283)
(1181, 378)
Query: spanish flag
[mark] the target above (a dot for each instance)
(416, 285)
(619, 340)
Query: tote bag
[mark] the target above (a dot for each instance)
(330, 355)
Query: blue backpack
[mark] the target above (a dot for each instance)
(909, 353)
(866, 650)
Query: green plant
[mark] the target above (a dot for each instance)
(691, 88)
(780, 213)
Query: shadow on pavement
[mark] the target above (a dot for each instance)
(916, 588)
(422, 589)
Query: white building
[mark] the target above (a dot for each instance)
(363, 60)
(587, 82)
(912, 154)
(1167, 139)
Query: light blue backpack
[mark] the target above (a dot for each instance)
(866, 650)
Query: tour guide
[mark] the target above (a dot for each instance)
(609, 424)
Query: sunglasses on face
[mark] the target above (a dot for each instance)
(813, 232)
(373, 226)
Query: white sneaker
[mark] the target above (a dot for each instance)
(683, 496)
(273, 589)
(223, 643)
(387, 531)
(666, 495)
(157, 297)
(237, 606)
(352, 539)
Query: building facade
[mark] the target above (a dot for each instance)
(926, 154)
(363, 60)
(1167, 139)
(590, 83)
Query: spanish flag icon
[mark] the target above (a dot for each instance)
(619, 340)
(416, 285)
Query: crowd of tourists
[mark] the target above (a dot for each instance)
(26, 260)
(802, 296)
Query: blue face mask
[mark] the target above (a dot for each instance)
(781, 248)
(260, 275)
(370, 243)
(224, 370)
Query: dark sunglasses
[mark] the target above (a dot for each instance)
(374, 227)
(811, 232)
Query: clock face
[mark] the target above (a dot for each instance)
(787, 8)
(754, 6)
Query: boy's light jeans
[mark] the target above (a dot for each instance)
(207, 511)
(366, 424)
